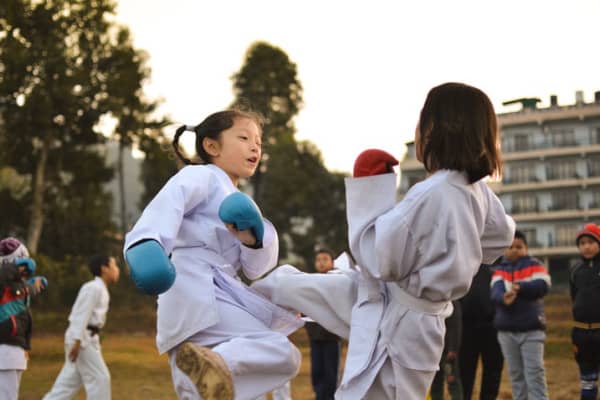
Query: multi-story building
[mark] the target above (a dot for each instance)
(551, 177)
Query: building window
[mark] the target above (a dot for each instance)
(522, 172)
(530, 236)
(565, 234)
(561, 169)
(596, 136)
(593, 166)
(595, 200)
(521, 142)
(564, 200)
(563, 137)
(524, 203)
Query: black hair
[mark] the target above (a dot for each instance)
(324, 250)
(520, 235)
(459, 131)
(211, 128)
(96, 262)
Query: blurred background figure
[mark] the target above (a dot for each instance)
(479, 338)
(324, 345)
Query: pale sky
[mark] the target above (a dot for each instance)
(366, 66)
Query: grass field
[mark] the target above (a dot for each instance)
(138, 372)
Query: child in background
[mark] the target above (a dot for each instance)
(84, 364)
(223, 340)
(449, 364)
(418, 255)
(16, 287)
(480, 337)
(324, 345)
(584, 286)
(519, 285)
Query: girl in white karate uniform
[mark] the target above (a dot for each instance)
(416, 256)
(222, 338)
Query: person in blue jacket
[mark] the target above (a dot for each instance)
(518, 287)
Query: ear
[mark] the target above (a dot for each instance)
(211, 146)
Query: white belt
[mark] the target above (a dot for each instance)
(399, 295)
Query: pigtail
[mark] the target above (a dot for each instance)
(176, 148)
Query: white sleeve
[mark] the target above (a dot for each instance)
(162, 217)
(498, 232)
(87, 298)
(366, 199)
(257, 262)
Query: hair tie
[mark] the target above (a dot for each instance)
(191, 128)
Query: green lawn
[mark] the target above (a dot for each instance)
(138, 372)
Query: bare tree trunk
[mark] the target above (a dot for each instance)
(121, 177)
(36, 219)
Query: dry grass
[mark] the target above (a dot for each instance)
(139, 373)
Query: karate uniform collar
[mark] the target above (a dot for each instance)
(222, 175)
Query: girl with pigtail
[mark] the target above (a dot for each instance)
(224, 341)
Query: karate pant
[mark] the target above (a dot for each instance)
(328, 299)
(259, 358)
(10, 380)
(88, 370)
(281, 393)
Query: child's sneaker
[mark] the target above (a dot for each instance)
(207, 370)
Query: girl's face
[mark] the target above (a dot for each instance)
(588, 247)
(238, 150)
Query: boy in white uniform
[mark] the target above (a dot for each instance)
(84, 364)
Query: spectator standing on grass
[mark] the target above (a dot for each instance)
(519, 285)
(84, 364)
(584, 284)
(480, 338)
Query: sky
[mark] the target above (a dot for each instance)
(366, 66)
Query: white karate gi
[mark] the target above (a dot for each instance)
(207, 305)
(415, 257)
(89, 369)
(420, 253)
(13, 361)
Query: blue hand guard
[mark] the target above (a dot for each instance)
(31, 281)
(151, 270)
(28, 263)
(240, 210)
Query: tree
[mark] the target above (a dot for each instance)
(292, 186)
(267, 83)
(158, 166)
(64, 66)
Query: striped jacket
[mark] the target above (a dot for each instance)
(526, 313)
(15, 318)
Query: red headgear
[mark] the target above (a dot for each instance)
(591, 230)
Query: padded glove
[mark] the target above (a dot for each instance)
(151, 270)
(26, 262)
(241, 211)
(374, 162)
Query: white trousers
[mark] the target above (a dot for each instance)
(328, 299)
(281, 393)
(259, 358)
(10, 379)
(89, 371)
